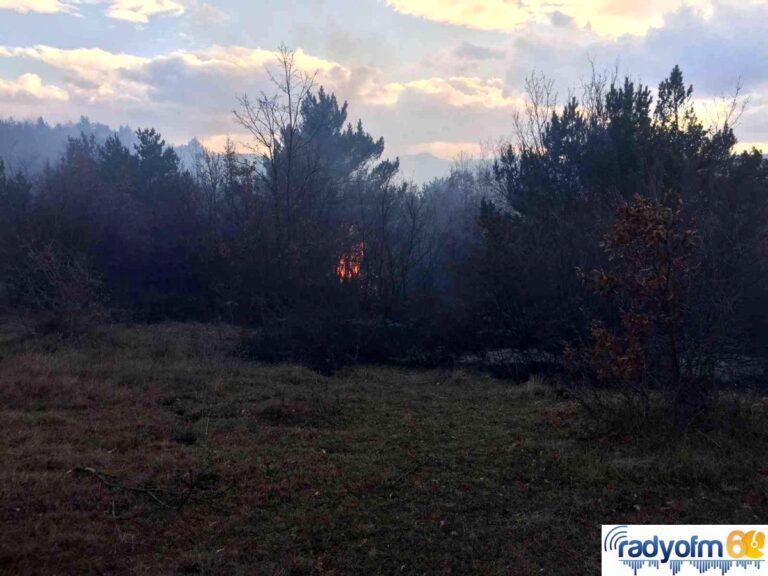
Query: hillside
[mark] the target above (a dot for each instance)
(161, 450)
(28, 146)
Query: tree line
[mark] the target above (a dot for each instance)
(617, 224)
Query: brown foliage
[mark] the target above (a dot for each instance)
(652, 254)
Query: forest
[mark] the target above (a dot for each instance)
(614, 206)
(286, 358)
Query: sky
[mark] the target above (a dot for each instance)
(442, 77)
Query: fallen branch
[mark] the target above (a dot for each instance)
(153, 493)
(395, 481)
(403, 476)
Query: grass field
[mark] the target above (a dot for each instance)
(157, 450)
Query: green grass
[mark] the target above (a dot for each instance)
(216, 465)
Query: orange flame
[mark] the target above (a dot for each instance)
(350, 265)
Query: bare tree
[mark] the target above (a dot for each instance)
(209, 170)
(594, 90)
(274, 122)
(728, 109)
(540, 102)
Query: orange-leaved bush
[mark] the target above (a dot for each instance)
(652, 253)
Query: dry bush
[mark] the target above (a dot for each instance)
(653, 257)
(61, 289)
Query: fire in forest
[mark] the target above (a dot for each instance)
(350, 264)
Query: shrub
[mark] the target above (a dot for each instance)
(60, 288)
(653, 254)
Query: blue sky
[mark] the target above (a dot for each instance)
(436, 76)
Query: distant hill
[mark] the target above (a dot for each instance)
(27, 146)
(422, 168)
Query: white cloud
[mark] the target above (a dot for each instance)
(140, 11)
(611, 18)
(192, 92)
(433, 102)
(242, 60)
(85, 61)
(456, 91)
(96, 74)
(136, 11)
(195, 91)
(41, 6)
(30, 87)
(93, 74)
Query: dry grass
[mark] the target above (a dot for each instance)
(220, 466)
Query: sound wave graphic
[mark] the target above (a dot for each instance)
(637, 564)
(702, 566)
(612, 539)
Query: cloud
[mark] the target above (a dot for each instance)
(41, 6)
(192, 92)
(612, 18)
(136, 11)
(140, 11)
(238, 68)
(206, 14)
(98, 74)
(457, 91)
(86, 61)
(30, 87)
(434, 88)
(183, 92)
(92, 74)
(438, 100)
(242, 60)
(714, 53)
(473, 52)
(212, 78)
